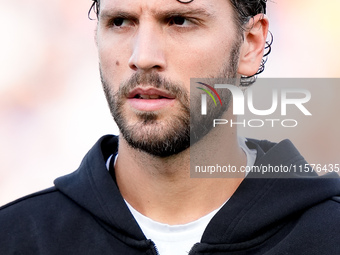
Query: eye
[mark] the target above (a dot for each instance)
(118, 22)
(179, 21)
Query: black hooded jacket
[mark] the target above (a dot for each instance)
(85, 213)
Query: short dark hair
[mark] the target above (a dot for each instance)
(244, 10)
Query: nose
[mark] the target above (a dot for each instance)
(148, 51)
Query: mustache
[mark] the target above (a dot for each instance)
(152, 79)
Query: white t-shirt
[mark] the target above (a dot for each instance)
(179, 239)
(172, 239)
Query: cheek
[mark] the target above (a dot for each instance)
(203, 57)
(112, 63)
(109, 59)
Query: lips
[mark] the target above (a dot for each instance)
(145, 96)
(149, 93)
(150, 99)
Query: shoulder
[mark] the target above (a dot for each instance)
(325, 214)
(318, 229)
(34, 202)
(27, 202)
(38, 212)
(322, 221)
(31, 209)
(33, 223)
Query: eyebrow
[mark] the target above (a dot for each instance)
(185, 12)
(109, 14)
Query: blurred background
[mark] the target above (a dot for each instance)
(52, 108)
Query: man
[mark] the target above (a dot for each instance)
(134, 195)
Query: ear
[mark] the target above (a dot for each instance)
(252, 49)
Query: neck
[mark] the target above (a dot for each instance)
(162, 189)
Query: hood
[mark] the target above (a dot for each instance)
(93, 188)
(262, 203)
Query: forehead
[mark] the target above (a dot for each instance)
(154, 7)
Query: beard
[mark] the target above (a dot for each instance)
(178, 130)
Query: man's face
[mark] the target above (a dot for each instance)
(148, 51)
